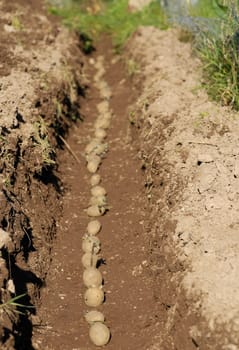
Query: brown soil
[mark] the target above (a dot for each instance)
(39, 92)
(129, 305)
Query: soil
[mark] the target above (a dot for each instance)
(124, 252)
(169, 238)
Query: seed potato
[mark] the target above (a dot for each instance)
(94, 316)
(92, 277)
(102, 123)
(92, 167)
(99, 200)
(89, 260)
(99, 334)
(100, 133)
(91, 244)
(98, 191)
(95, 210)
(94, 227)
(94, 296)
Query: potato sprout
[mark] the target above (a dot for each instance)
(89, 260)
(95, 179)
(99, 334)
(96, 210)
(92, 277)
(94, 316)
(93, 227)
(98, 191)
(94, 296)
(91, 244)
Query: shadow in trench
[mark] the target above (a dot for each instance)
(22, 330)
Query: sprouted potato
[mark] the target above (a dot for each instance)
(90, 244)
(89, 260)
(100, 133)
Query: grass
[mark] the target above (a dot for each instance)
(208, 9)
(220, 56)
(11, 306)
(111, 17)
(219, 52)
(41, 141)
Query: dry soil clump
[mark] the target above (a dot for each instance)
(190, 155)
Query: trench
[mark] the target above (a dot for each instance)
(129, 305)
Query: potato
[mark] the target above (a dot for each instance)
(99, 200)
(100, 133)
(89, 260)
(95, 210)
(95, 179)
(92, 167)
(99, 334)
(91, 244)
(98, 191)
(94, 296)
(94, 316)
(93, 227)
(103, 107)
(92, 277)
(102, 123)
(93, 157)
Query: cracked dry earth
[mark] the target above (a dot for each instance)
(128, 294)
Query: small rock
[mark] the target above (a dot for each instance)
(11, 286)
(205, 177)
(4, 238)
(9, 28)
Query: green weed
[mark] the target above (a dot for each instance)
(220, 56)
(208, 9)
(132, 67)
(11, 307)
(111, 17)
(41, 141)
(16, 23)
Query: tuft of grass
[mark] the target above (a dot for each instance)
(208, 9)
(220, 56)
(16, 23)
(111, 17)
(41, 141)
(11, 307)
